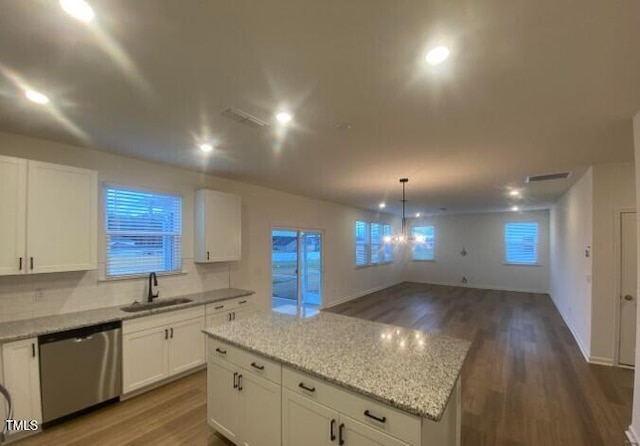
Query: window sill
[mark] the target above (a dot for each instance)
(522, 264)
(424, 260)
(140, 276)
(372, 265)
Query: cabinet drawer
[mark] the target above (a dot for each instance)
(220, 350)
(160, 320)
(260, 366)
(256, 364)
(227, 305)
(394, 422)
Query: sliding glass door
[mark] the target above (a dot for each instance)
(296, 271)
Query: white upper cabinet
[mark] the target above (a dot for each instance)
(13, 183)
(218, 231)
(49, 219)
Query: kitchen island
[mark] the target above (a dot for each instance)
(276, 379)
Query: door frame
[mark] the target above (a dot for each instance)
(275, 227)
(617, 254)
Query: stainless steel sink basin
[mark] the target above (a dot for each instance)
(137, 306)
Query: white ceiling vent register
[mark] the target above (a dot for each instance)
(244, 118)
(548, 177)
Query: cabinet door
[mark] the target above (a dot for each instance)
(223, 404)
(222, 227)
(305, 422)
(355, 433)
(186, 346)
(22, 378)
(145, 358)
(261, 410)
(13, 178)
(62, 218)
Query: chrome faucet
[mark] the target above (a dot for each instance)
(153, 281)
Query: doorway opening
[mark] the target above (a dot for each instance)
(296, 271)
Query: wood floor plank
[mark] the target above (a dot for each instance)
(525, 381)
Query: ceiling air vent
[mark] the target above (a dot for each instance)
(244, 118)
(548, 177)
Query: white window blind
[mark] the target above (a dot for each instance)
(362, 243)
(521, 242)
(143, 232)
(388, 249)
(376, 243)
(425, 247)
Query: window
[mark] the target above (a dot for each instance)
(143, 232)
(424, 247)
(388, 249)
(362, 243)
(370, 246)
(521, 243)
(377, 256)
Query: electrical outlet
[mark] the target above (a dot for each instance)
(464, 279)
(39, 294)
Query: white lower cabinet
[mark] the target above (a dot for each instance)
(260, 403)
(161, 346)
(312, 424)
(354, 433)
(228, 310)
(244, 404)
(223, 409)
(306, 422)
(21, 377)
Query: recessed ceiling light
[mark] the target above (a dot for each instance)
(514, 193)
(437, 55)
(284, 117)
(515, 208)
(206, 148)
(79, 9)
(417, 214)
(382, 205)
(36, 97)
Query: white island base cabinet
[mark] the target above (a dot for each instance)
(256, 401)
(244, 396)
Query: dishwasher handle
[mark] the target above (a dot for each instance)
(83, 338)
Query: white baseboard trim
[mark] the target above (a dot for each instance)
(357, 295)
(480, 287)
(631, 435)
(601, 360)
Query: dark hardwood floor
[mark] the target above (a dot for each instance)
(525, 381)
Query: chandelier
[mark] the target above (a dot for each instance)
(403, 237)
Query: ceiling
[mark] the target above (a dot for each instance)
(531, 87)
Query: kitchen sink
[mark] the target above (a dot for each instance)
(137, 306)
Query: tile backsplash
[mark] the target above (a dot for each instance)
(29, 296)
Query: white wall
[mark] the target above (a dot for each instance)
(635, 416)
(571, 232)
(482, 236)
(30, 296)
(613, 190)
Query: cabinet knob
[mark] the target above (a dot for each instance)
(208, 257)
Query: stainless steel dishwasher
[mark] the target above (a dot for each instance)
(79, 370)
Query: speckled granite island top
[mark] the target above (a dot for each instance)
(28, 328)
(407, 369)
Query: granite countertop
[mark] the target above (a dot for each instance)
(28, 328)
(407, 369)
